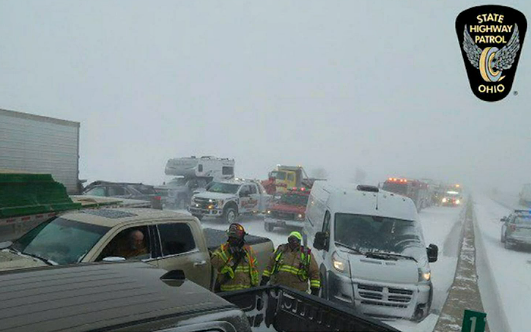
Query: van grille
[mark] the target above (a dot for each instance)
(384, 296)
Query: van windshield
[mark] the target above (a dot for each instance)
(373, 233)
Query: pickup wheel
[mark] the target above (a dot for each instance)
(230, 215)
(268, 227)
(503, 237)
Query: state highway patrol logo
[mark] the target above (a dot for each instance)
(491, 39)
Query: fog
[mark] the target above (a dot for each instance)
(339, 85)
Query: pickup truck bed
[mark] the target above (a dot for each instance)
(262, 246)
(278, 308)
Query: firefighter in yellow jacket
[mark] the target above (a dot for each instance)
(235, 262)
(292, 265)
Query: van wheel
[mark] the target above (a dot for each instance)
(230, 215)
(268, 227)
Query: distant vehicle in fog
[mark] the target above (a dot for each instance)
(288, 211)
(127, 190)
(370, 250)
(451, 198)
(516, 229)
(525, 195)
(191, 176)
(414, 189)
(229, 199)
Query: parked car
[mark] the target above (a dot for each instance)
(370, 250)
(125, 190)
(139, 297)
(171, 240)
(516, 229)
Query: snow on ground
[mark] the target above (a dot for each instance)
(510, 269)
(440, 225)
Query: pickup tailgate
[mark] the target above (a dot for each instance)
(285, 309)
(262, 246)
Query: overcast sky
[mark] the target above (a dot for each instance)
(376, 85)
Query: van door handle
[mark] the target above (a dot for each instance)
(201, 263)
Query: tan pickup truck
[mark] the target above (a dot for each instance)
(171, 240)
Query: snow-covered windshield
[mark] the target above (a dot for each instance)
(372, 233)
(177, 182)
(60, 240)
(398, 188)
(294, 199)
(220, 187)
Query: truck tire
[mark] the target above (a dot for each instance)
(230, 215)
(268, 227)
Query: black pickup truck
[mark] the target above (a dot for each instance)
(135, 296)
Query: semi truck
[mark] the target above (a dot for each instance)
(40, 144)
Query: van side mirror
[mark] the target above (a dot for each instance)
(321, 241)
(504, 219)
(433, 253)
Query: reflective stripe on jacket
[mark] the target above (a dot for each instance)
(293, 268)
(246, 273)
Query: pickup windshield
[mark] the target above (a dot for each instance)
(225, 188)
(294, 199)
(60, 240)
(372, 233)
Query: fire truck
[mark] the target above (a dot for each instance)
(415, 189)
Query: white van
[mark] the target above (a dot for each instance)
(370, 249)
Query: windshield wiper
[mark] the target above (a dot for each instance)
(349, 248)
(47, 261)
(378, 254)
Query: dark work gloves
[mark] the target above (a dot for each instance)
(264, 281)
(315, 291)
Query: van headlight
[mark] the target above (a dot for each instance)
(338, 263)
(444, 200)
(299, 217)
(457, 201)
(424, 275)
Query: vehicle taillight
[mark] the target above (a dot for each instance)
(158, 198)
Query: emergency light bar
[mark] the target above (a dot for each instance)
(397, 180)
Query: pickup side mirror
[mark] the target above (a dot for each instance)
(504, 219)
(433, 253)
(321, 241)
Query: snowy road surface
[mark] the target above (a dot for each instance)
(510, 268)
(441, 226)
